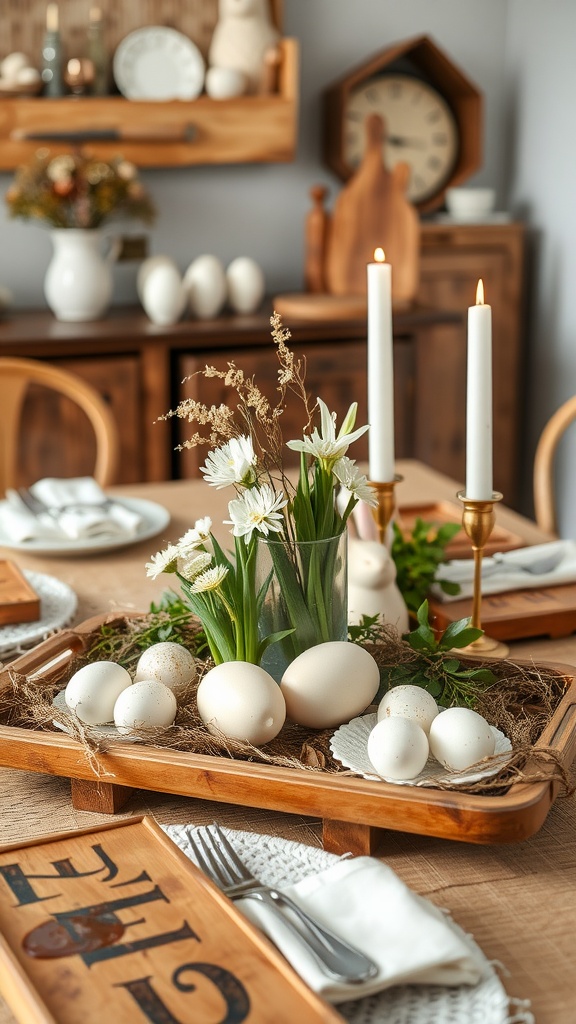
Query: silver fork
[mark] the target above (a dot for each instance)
(539, 567)
(218, 859)
(38, 507)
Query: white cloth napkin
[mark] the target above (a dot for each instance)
(366, 903)
(508, 574)
(77, 512)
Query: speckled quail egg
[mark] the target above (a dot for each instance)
(169, 663)
(412, 702)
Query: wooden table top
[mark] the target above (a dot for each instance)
(518, 901)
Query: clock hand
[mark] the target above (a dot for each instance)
(399, 140)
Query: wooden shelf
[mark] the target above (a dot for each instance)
(247, 129)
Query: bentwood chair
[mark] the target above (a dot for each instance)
(544, 495)
(16, 375)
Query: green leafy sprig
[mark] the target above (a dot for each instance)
(436, 669)
(417, 558)
(168, 619)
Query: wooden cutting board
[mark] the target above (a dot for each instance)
(172, 946)
(516, 614)
(372, 211)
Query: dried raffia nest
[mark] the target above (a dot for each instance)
(521, 704)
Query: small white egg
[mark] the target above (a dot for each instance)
(164, 295)
(398, 748)
(12, 64)
(246, 285)
(94, 689)
(407, 701)
(146, 268)
(27, 76)
(169, 663)
(459, 737)
(145, 704)
(205, 285)
(329, 684)
(242, 701)
(225, 83)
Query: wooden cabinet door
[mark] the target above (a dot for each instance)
(336, 373)
(56, 438)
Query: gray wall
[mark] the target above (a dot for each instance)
(520, 52)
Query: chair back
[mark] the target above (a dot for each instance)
(15, 377)
(544, 494)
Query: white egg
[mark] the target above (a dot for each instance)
(12, 64)
(398, 748)
(246, 285)
(169, 663)
(145, 704)
(242, 701)
(411, 702)
(27, 76)
(225, 83)
(460, 737)
(164, 295)
(146, 268)
(329, 684)
(94, 689)
(205, 285)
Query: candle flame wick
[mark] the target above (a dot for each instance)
(480, 293)
(379, 255)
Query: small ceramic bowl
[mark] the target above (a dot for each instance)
(470, 203)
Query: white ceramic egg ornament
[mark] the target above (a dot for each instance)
(94, 689)
(169, 663)
(246, 285)
(225, 83)
(164, 295)
(243, 35)
(145, 704)
(242, 701)
(459, 737)
(411, 702)
(398, 749)
(329, 684)
(146, 268)
(372, 588)
(205, 285)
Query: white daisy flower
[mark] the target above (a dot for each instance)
(346, 471)
(231, 463)
(326, 444)
(257, 509)
(209, 580)
(190, 568)
(195, 537)
(164, 561)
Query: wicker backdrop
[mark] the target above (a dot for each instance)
(22, 22)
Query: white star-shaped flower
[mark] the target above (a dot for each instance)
(325, 444)
(346, 471)
(257, 509)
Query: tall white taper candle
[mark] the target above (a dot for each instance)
(479, 483)
(380, 370)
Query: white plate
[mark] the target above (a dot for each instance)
(154, 519)
(57, 606)
(100, 732)
(157, 63)
(349, 745)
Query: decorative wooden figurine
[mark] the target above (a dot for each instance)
(244, 39)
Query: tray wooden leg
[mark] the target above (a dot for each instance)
(347, 837)
(99, 796)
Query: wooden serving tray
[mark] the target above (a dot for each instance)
(442, 512)
(174, 947)
(352, 809)
(516, 614)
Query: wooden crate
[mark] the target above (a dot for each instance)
(352, 809)
(147, 937)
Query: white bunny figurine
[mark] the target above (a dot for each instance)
(243, 35)
(372, 588)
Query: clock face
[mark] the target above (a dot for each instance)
(420, 128)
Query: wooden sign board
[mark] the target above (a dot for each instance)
(115, 923)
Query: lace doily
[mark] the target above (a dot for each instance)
(278, 861)
(57, 606)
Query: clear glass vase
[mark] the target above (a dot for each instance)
(306, 591)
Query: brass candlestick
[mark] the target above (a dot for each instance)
(478, 518)
(386, 504)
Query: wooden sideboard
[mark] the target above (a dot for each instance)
(140, 367)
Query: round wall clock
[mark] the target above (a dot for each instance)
(432, 113)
